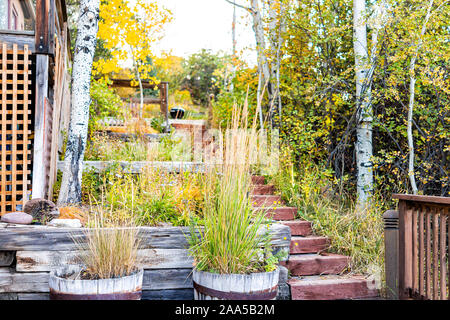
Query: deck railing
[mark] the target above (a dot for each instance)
(418, 267)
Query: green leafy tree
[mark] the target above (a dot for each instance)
(202, 78)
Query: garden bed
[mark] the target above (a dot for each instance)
(28, 253)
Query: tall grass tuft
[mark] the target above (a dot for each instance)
(230, 240)
(111, 246)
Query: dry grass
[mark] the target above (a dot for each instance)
(111, 246)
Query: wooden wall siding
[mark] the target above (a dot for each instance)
(16, 130)
(424, 251)
(61, 101)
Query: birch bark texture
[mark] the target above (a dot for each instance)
(277, 9)
(258, 28)
(70, 192)
(264, 71)
(364, 114)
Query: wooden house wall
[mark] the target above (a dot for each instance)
(49, 49)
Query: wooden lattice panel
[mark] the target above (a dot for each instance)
(15, 126)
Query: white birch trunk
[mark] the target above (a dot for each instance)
(233, 38)
(276, 26)
(363, 145)
(141, 94)
(258, 28)
(70, 192)
(412, 86)
(259, 99)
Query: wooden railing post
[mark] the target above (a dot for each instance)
(164, 96)
(390, 218)
(405, 246)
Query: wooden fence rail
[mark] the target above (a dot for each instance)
(423, 247)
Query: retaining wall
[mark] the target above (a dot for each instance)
(28, 253)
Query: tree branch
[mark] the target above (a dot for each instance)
(240, 6)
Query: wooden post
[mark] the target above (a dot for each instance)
(44, 48)
(39, 177)
(390, 218)
(164, 96)
(45, 27)
(405, 249)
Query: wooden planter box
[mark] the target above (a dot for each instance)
(29, 253)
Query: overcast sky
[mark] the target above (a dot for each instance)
(206, 24)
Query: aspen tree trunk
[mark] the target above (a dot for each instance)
(258, 28)
(259, 99)
(276, 26)
(233, 38)
(363, 145)
(412, 86)
(70, 192)
(141, 95)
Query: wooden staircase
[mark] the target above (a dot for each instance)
(315, 274)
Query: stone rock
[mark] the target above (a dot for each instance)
(283, 275)
(65, 223)
(41, 209)
(17, 217)
(284, 292)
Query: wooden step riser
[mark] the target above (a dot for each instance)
(319, 265)
(309, 245)
(266, 201)
(335, 291)
(279, 214)
(258, 180)
(299, 228)
(263, 190)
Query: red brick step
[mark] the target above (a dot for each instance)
(298, 227)
(310, 244)
(337, 288)
(314, 264)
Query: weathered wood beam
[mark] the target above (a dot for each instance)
(165, 294)
(137, 166)
(22, 38)
(15, 282)
(126, 83)
(45, 238)
(45, 261)
(167, 279)
(148, 100)
(45, 27)
(41, 106)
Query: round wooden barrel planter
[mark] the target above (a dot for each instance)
(124, 288)
(254, 286)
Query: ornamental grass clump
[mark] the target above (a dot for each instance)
(111, 247)
(230, 240)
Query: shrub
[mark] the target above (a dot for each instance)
(105, 103)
